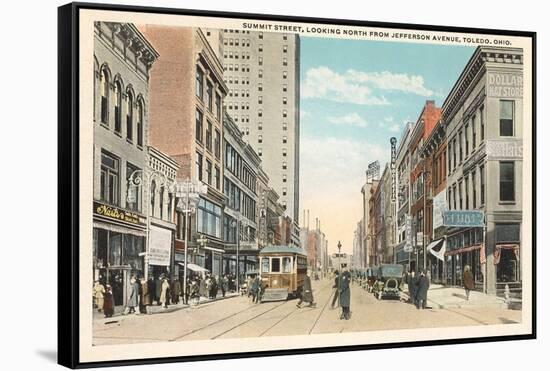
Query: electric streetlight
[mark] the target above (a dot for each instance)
(237, 223)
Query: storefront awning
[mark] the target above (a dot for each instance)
(437, 248)
(194, 267)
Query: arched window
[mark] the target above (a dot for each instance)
(118, 106)
(152, 196)
(140, 117)
(161, 201)
(104, 86)
(96, 76)
(130, 115)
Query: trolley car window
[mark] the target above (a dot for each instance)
(287, 266)
(275, 265)
(265, 265)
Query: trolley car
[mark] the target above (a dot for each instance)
(282, 270)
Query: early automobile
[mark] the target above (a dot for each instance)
(388, 280)
(370, 277)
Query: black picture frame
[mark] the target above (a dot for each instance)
(69, 184)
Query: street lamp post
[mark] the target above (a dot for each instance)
(237, 223)
(136, 179)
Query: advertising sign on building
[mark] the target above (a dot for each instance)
(393, 142)
(160, 246)
(463, 218)
(439, 206)
(505, 85)
(408, 234)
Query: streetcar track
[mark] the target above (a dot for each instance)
(212, 323)
(322, 310)
(250, 319)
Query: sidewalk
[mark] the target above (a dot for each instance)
(99, 317)
(443, 297)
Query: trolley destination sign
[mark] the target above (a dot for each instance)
(463, 218)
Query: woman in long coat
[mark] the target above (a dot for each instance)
(133, 293)
(345, 294)
(164, 292)
(99, 291)
(468, 281)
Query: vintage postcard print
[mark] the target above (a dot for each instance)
(255, 184)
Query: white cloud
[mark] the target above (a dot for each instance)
(304, 114)
(395, 128)
(359, 87)
(323, 83)
(352, 119)
(391, 81)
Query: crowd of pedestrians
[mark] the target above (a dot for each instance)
(161, 291)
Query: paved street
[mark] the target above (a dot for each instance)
(238, 317)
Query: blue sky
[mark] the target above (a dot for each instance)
(355, 95)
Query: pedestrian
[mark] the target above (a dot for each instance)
(249, 281)
(335, 287)
(203, 290)
(194, 292)
(133, 296)
(345, 294)
(145, 296)
(176, 291)
(165, 286)
(158, 284)
(98, 291)
(468, 281)
(261, 290)
(411, 284)
(224, 284)
(214, 287)
(306, 295)
(422, 290)
(108, 302)
(255, 289)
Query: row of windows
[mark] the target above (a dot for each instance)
(235, 164)
(463, 194)
(284, 152)
(121, 104)
(211, 136)
(212, 100)
(239, 200)
(236, 42)
(229, 67)
(246, 233)
(231, 55)
(246, 130)
(260, 33)
(235, 80)
(206, 173)
(261, 139)
(111, 183)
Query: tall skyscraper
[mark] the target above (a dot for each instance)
(262, 72)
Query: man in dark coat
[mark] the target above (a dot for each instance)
(344, 291)
(108, 302)
(335, 287)
(411, 283)
(175, 290)
(307, 293)
(468, 281)
(145, 296)
(255, 289)
(422, 291)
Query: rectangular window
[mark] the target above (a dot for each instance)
(474, 139)
(481, 124)
(209, 135)
(454, 197)
(507, 184)
(467, 143)
(454, 153)
(260, 138)
(209, 172)
(466, 192)
(198, 166)
(474, 190)
(260, 87)
(265, 265)
(506, 118)
(284, 139)
(285, 88)
(260, 48)
(285, 74)
(209, 96)
(199, 83)
(482, 185)
(198, 125)
(217, 144)
(110, 178)
(217, 178)
(275, 265)
(460, 147)
(285, 48)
